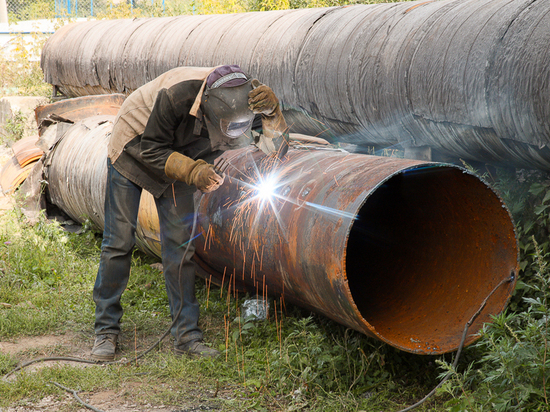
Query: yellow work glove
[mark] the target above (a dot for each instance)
(262, 100)
(193, 172)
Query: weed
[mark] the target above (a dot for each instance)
(291, 361)
(527, 194)
(13, 129)
(513, 372)
(21, 73)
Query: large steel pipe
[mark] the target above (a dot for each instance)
(400, 250)
(466, 77)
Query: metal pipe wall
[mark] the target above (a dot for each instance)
(400, 250)
(466, 77)
(76, 172)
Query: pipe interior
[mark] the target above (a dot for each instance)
(427, 248)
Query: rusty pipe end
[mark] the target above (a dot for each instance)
(428, 246)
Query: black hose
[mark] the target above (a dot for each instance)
(75, 394)
(459, 352)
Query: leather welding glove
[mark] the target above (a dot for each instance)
(262, 100)
(193, 172)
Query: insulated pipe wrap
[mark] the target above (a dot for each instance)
(76, 170)
(401, 250)
(466, 77)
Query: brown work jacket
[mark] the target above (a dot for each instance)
(157, 119)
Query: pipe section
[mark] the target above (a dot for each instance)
(76, 172)
(401, 250)
(466, 77)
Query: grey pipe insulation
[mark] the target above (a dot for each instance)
(469, 78)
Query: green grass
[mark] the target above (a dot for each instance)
(21, 74)
(294, 360)
(301, 361)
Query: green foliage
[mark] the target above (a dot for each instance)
(513, 372)
(309, 362)
(305, 360)
(7, 363)
(293, 359)
(19, 10)
(35, 264)
(31, 387)
(21, 73)
(13, 129)
(174, 8)
(120, 10)
(527, 195)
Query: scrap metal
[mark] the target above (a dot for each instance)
(17, 169)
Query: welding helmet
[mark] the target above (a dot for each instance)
(225, 108)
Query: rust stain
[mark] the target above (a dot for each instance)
(25, 150)
(418, 5)
(13, 175)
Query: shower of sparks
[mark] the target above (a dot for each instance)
(263, 188)
(260, 192)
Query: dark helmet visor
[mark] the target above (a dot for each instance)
(234, 129)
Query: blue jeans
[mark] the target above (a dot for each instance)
(176, 219)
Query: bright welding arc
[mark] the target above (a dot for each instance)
(266, 187)
(262, 187)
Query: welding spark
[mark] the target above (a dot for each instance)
(266, 186)
(260, 192)
(263, 191)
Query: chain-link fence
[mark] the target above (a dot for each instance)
(24, 10)
(46, 9)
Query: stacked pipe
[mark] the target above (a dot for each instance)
(466, 77)
(401, 250)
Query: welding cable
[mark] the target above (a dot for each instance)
(126, 362)
(461, 346)
(180, 280)
(75, 394)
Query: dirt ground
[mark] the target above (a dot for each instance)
(77, 345)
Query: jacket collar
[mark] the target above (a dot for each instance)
(195, 109)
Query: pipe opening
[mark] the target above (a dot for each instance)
(427, 248)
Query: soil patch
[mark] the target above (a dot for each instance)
(78, 345)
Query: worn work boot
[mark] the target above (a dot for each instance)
(195, 348)
(104, 347)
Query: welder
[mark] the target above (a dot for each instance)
(165, 138)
